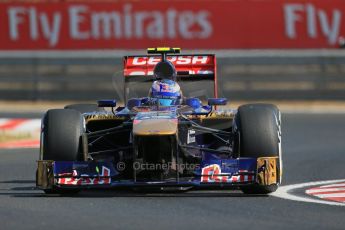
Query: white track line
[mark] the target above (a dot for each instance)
(284, 192)
(333, 185)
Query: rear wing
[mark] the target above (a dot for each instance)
(189, 68)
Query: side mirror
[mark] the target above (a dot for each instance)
(133, 102)
(106, 103)
(217, 101)
(193, 102)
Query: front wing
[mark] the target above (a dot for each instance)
(216, 173)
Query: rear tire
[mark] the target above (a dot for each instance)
(258, 135)
(85, 108)
(60, 140)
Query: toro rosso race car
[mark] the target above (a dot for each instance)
(168, 135)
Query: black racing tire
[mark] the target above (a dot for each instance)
(85, 108)
(60, 140)
(60, 136)
(258, 135)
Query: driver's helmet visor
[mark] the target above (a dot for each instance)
(166, 102)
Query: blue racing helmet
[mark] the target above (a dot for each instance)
(166, 91)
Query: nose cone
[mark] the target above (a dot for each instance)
(156, 127)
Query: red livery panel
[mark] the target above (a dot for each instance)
(85, 179)
(190, 64)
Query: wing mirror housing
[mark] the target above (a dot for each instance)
(195, 103)
(217, 101)
(133, 102)
(107, 103)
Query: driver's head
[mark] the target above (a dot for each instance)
(166, 91)
(164, 70)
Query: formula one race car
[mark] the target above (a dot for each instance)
(168, 134)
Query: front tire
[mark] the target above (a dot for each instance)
(60, 140)
(60, 137)
(258, 135)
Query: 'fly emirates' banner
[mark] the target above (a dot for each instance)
(188, 24)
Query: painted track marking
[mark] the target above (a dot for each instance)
(334, 192)
(284, 192)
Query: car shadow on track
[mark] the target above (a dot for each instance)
(31, 191)
(206, 194)
(18, 182)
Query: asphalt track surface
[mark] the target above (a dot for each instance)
(314, 150)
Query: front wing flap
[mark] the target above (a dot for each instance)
(215, 173)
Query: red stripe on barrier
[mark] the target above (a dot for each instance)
(20, 144)
(12, 124)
